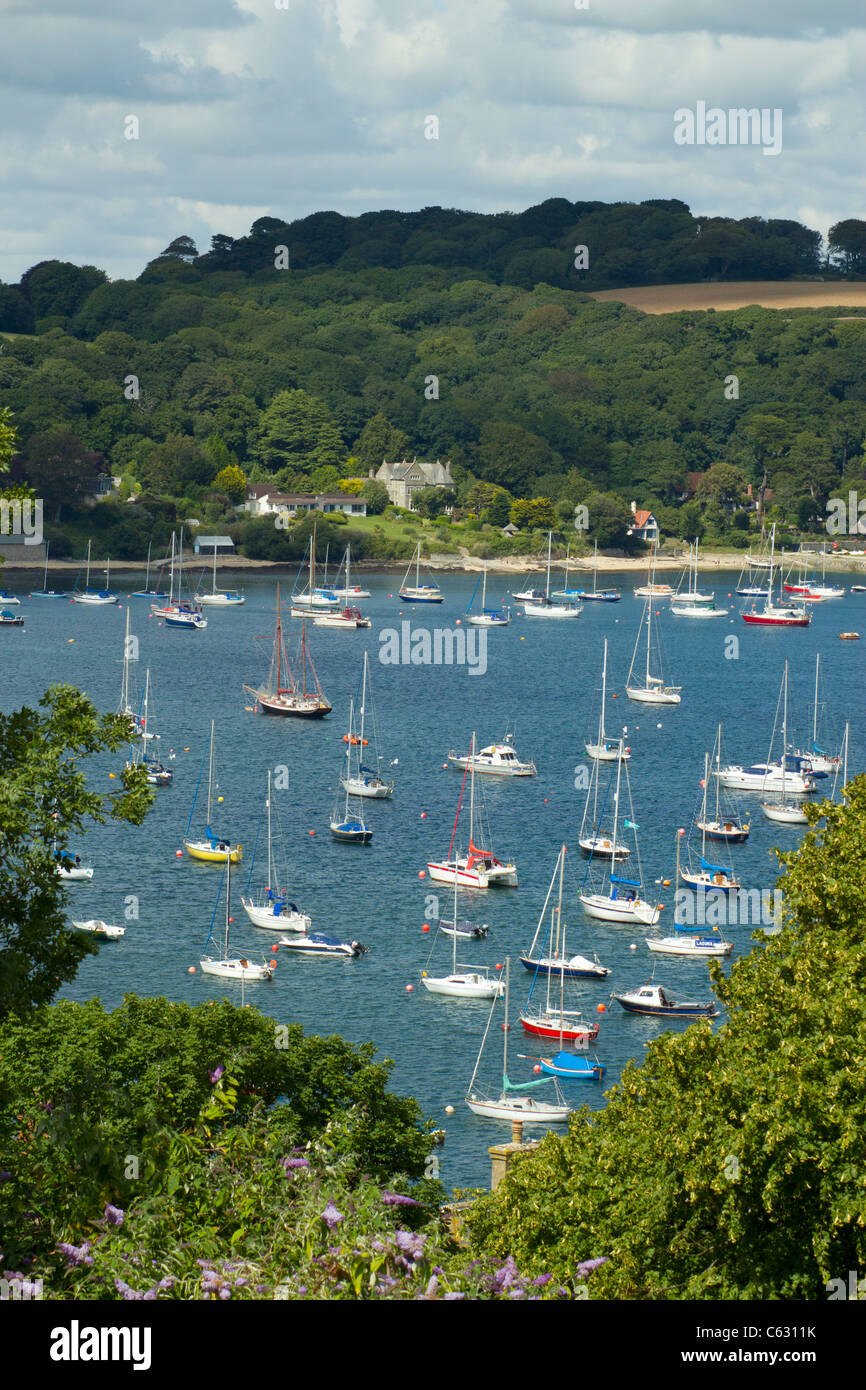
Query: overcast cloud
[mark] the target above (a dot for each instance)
(245, 109)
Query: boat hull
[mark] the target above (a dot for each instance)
(264, 916)
(524, 1108)
(503, 876)
(648, 696)
(633, 1006)
(688, 946)
(619, 909)
(292, 707)
(464, 986)
(367, 786)
(234, 969)
(572, 1068)
(577, 968)
(204, 851)
(541, 1026)
(351, 833)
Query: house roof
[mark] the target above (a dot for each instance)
(214, 540)
(435, 474)
(641, 518)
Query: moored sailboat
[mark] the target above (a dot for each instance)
(511, 1104)
(213, 849)
(272, 908)
(478, 868)
(418, 592)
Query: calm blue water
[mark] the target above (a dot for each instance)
(542, 684)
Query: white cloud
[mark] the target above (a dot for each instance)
(245, 110)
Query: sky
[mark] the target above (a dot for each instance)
(285, 107)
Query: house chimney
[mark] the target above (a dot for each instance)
(633, 508)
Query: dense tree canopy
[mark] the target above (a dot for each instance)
(727, 1165)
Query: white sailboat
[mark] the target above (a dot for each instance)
(466, 983)
(212, 849)
(622, 903)
(418, 592)
(605, 749)
(479, 868)
(653, 691)
(593, 839)
(44, 592)
(220, 598)
(543, 1020)
(819, 761)
(708, 877)
(545, 607)
(233, 967)
(126, 707)
(791, 774)
(511, 1104)
(693, 603)
(725, 825)
(784, 811)
(147, 592)
(94, 597)
(367, 781)
(487, 617)
(344, 615)
(272, 909)
(651, 589)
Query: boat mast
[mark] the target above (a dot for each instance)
(815, 716)
(45, 580)
(505, 1025)
(124, 684)
(547, 585)
(270, 854)
(210, 774)
(471, 796)
(87, 585)
(228, 898)
(784, 731)
(616, 805)
(601, 733)
(704, 811)
(363, 707)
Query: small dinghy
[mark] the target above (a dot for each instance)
(654, 1000)
(573, 1067)
(100, 928)
(8, 619)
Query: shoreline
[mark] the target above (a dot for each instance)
(465, 564)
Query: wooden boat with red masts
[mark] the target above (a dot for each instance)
(292, 699)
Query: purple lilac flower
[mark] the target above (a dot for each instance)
(432, 1286)
(411, 1243)
(132, 1295)
(507, 1275)
(453, 1296)
(396, 1199)
(542, 1280)
(215, 1075)
(378, 1247)
(589, 1265)
(302, 1289)
(113, 1215)
(290, 1163)
(76, 1254)
(331, 1216)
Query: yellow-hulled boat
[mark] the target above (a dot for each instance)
(212, 848)
(214, 852)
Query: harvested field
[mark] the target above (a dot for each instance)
(770, 294)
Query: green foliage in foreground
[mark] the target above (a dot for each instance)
(238, 1213)
(91, 1102)
(44, 799)
(729, 1165)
